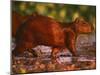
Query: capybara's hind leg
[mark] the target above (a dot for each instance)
(19, 50)
(29, 45)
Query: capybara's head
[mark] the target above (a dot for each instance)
(83, 26)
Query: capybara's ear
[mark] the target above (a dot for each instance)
(78, 19)
(35, 14)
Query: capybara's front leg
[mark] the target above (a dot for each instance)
(72, 46)
(54, 54)
(70, 39)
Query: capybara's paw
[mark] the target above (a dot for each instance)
(15, 53)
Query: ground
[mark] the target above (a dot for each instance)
(86, 59)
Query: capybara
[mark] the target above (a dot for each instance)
(39, 30)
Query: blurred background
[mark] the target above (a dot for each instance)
(60, 12)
